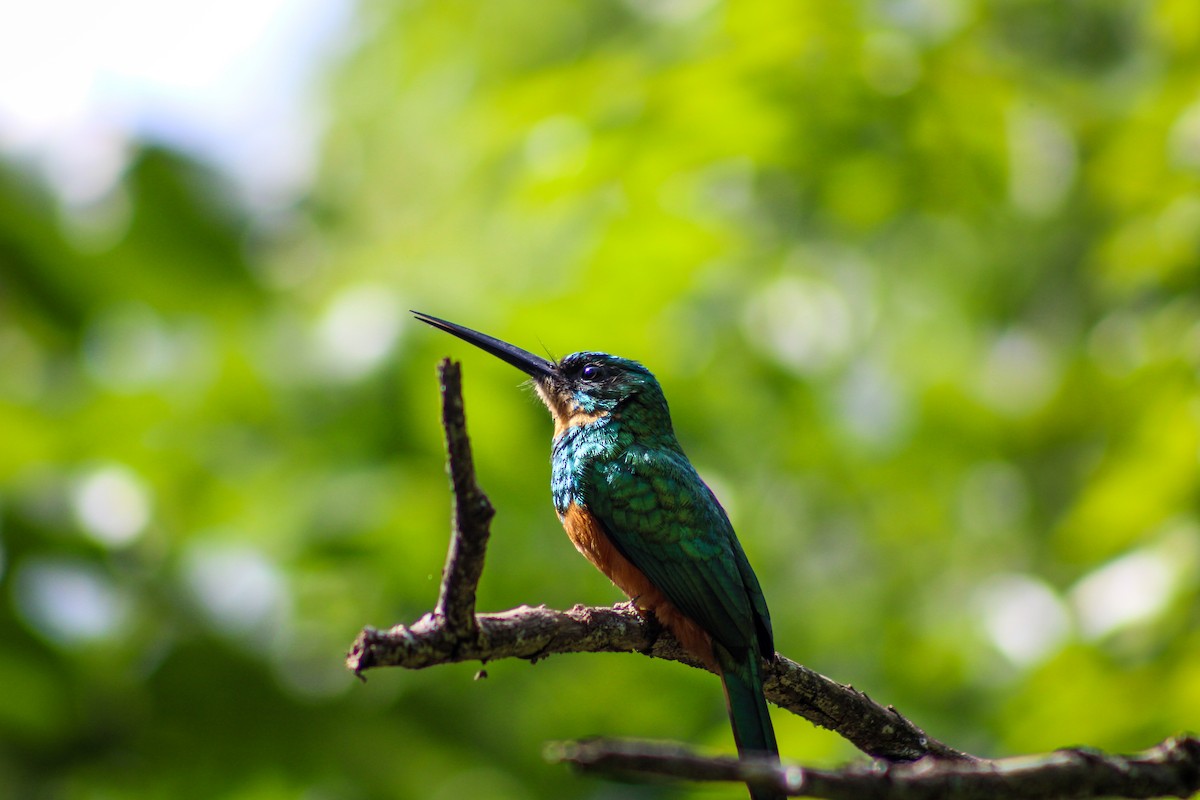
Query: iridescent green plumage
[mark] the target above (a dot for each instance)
(627, 469)
(634, 505)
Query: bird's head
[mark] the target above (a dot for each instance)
(579, 389)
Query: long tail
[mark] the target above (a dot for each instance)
(748, 713)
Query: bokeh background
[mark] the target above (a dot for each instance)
(920, 278)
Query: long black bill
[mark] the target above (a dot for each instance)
(534, 366)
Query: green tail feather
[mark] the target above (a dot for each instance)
(748, 713)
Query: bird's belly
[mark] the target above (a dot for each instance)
(589, 538)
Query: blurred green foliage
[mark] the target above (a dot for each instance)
(921, 279)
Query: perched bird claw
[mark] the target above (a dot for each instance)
(629, 605)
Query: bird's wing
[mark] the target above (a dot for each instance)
(758, 602)
(666, 522)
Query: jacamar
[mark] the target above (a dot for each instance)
(632, 503)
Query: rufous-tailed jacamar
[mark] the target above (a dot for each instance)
(634, 506)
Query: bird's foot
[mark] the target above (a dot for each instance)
(630, 605)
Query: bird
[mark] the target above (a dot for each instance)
(632, 503)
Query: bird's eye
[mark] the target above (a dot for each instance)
(590, 373)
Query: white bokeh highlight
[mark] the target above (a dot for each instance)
(1018, 374)
(69, 603)
(804, 323)
(1023, 617)
(1139, 586)
(111, 504)
(1130, 589)
(239, 590)
(358, 331)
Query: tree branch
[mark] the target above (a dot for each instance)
(1171, 768)
(534, 633)
(473, 514)
(913, 764)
